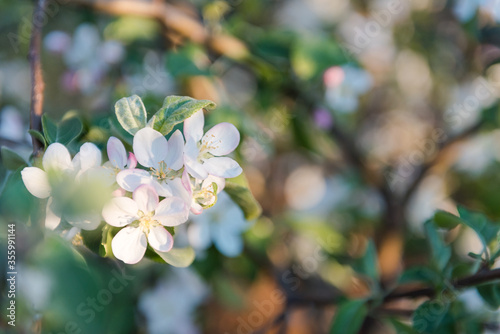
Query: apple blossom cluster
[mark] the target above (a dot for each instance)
(141, 195)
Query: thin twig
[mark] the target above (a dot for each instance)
(37, 83)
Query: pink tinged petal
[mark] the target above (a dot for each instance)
(130, 179)
(146, 198)
(89, 221)
(193, 126)
(120, 192)
(117, 154)
(171, 211)
(186, 182)
(56, 157)
(132, 161)
(219, 181)
(196, 209)
(120, 211)
(174, 157)
(160, 239)
(90, 156)
(150, 147)
(222, 139)
(222, 167)
(52, 220)
(129, 245)
(36, 181)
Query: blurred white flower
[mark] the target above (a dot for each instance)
(34, 285)
(221, 225)
(169, 307)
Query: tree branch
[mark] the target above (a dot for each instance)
(37, 83)
(473, 280)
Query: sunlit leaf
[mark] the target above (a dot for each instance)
(131, 113)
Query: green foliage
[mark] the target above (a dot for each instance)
(131, 113)
(491, 294)
(177, 257)
(429, 315)
(237, 189)
(446, 220)
(441, 253)
(38, 135)
(349, 317)
(175, 110)
(368, 263)
(11, 160)
(63, 132)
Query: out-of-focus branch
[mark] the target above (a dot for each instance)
(481, 277)
(37, 83)
(424, 168)
(172, 18)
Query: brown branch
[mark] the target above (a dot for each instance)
(37, 83)
(469, 281)
(424, 168)
(174, 19)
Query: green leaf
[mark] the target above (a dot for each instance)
(131, 113)
(446, 220)
(484, 228)
(428, 316)
(349, 317)
(368, 264)
(11, 160)
(237, 189)
(419, 274)
(175, 110)
(64, 132)
(441, 253)
(178, 257)
(38, 135)
(490, 294)
(402, 328)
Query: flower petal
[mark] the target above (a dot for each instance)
(52, 220)
(222, 139)
(36, 181)
(146, 198)
(56, 157)
(174, 157)
(219, 181)
(171, 211)
(117, 154)
(132, 161)
(90, 156)
(120, 211)
(129, 245)
(222, 167)
(160, 239)
(88, 221)
(150, 147)
(193, 126)
(130, 179)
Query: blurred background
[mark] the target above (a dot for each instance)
(358, 119)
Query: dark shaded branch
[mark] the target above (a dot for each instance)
(37, 83)
(473, 280)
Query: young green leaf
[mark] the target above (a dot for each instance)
(349, 317)
(237, 189)
(484, 228)
(178, 257)
(38, 135)
(64, 132)
(131, 113)
(11, 160)
(490, 293)
(175, 110)
(428, 316)
(441, 253)
(446, 220)
(368, 265)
